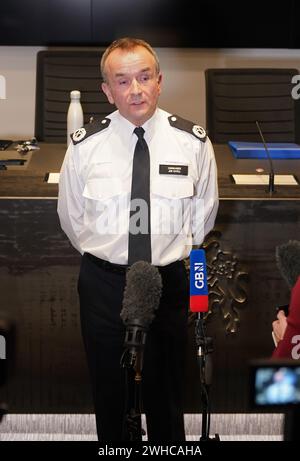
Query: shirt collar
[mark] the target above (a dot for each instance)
(127, 127)
(149, 126)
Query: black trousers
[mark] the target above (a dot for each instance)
(163, 376)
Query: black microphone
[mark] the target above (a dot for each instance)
(288, 261)
(141, 300)
(271, 173)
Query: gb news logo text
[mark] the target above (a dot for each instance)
(2, 87)
(2, 347)
(199, 275)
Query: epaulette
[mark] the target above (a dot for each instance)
(88, 129)
(186, 125)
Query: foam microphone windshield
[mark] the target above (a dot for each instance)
(142, 293)
(141, 300)
(288, 261)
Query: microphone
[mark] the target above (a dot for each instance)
(198, 282)
(141, 300)
(271, 173)
(288, 261)
(199, 304)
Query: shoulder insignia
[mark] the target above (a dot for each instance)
(90, 128)
(186, 125)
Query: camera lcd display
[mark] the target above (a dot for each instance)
(275, 385)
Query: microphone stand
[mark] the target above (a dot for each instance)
(205, 348)
(271, 188)
(132, 360)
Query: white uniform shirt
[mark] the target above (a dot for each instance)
(95, 187)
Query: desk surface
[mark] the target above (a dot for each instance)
(30, 182)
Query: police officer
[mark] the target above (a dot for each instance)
(139, 152)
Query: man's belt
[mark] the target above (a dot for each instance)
(122, 268)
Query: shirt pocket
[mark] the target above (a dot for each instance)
(105, 206)
(175, 188)
(100, 170)
(171, 206)
(102, 188)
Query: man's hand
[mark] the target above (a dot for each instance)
(279, 326)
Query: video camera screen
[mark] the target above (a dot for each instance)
(275, 385)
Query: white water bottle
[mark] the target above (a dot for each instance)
(75, 114)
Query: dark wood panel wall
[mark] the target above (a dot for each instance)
(38, 277)
(245, 287)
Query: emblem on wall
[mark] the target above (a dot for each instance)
(227, 283)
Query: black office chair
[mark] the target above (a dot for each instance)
(236, 98)
(58, 73)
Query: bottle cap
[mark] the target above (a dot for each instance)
(75, 94)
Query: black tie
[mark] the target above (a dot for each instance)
(139, 244)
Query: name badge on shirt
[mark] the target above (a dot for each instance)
(174, 169)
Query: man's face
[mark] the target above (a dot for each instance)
(133, 84)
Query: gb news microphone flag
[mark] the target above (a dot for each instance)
(198, 282)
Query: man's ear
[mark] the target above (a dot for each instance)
(159, 80)
(106, 90)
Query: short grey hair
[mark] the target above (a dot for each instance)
(127, 44)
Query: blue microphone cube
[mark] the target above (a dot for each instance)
(198, 282)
